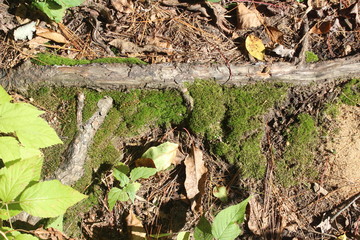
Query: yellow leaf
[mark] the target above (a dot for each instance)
(255, 47)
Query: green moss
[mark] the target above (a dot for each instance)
(52, 59)
(311, 57)
(244, 126)
(209, 108)
(351, 93)
(297, 164)
(62, 102)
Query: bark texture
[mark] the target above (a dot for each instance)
(121, 76)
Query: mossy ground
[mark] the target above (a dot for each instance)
(230, 120)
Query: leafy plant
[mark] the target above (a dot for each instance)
(161, 157)
(55, 9)
(22, 133)
(225, 225)
(311, 57)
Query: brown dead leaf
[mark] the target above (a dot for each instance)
(135, 228)
(37, 41)
(145, 162)
(321, 28)
(161, 43)
(123, 6)
(50, 233)
(275, 34)
(195, 170)
(258, 222)
(248, 18)
(51, 35)
(125, 46)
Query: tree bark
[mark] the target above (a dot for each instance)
(164, 75)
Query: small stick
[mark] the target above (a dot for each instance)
(344, 208)
(79, 110)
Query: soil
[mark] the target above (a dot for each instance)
(177, 31)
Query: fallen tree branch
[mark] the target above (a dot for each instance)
(120, 76)
(72, 169)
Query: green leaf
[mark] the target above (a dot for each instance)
(142, 172)
(16, 177)
(10, 233)
(131, 190)
(14, 209)
(120, 174)
(203, 230)
(49, 199)
(26, 152)
(25, 237)
(225, 225)
(221, 193)
(55, 9)
(4, 96)
(56, 223)
(9, 149)
(162, 155)
(183, 236)
(116, 194)
(23, 120)
(37, 134)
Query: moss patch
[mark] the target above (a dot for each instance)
(232, 119)
(52, 59)
(351, 93)
(297, 163)
(311, 57)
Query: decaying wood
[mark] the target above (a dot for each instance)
(72, 169)
(120, 76)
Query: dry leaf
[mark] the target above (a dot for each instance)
(195, 170)
(259, 221)
(135, 227)
(37, 41)
(51, 35)
(123, 6)
(275, 34)
(163, 45)
(255, 47)
(144, 162)
(125, 46)
(321, 28)
(248, 18)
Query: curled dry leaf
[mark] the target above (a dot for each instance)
(284, 52)
(51, 35)
(135, 228)
(321, 28)
(255, 47)
(195, 171)
(248, 18)
(123, 6)
(275, 34)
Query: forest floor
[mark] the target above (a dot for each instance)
(294, 149)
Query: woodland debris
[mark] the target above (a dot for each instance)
(72, 168)
(248, 18)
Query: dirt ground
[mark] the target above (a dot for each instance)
(206, 32)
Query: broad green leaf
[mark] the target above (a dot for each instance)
(225, 225)
(55, 9)
(120, 174)
(15, 115)
(16, 177)
(14, 209)
(9, 149)
(221, 193)
(116, 194)
(162, 155)
(56, 223)
(131, 190)
(37, 134)
(122, 167)
(142, 172)
(4, 96)
(25, 237)
(203, 230)
(49, 199)
(26, 152)
(183, 236)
